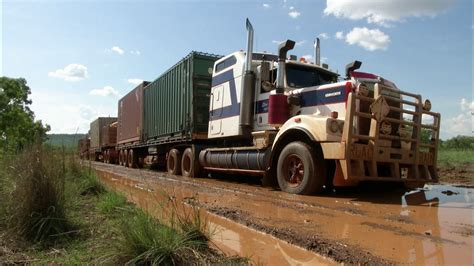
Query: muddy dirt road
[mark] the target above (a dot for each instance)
(433, 225)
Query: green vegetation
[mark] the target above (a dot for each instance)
(58, 212)
(66, 140)
(456, 151)
(18, 128)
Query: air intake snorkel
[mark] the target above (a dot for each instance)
(283, 49)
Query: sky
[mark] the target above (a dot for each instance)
(80, 57)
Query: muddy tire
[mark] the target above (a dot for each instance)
(173, 162)
(300, 169)
(125, 158)
(189, 165)
(106, 156)
(131, 159)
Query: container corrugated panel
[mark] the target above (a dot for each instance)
(109, 134)
(97, 129)
(176, 104)
(130, 117)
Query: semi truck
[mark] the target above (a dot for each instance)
(292, 122)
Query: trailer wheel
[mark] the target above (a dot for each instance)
(300, 169)
(120, 157)
(173, 162)
(132, 163)
(106, 156)
(189, 165)
(124, 158)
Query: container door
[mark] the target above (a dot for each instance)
(215, 118)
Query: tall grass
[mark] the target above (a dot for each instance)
(35, 204)
(146, 240)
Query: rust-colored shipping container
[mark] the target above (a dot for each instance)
(109, 135)
(130, 117)
(99, 133)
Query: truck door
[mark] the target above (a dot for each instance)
(215, 118)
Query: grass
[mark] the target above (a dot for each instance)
(35, 206)
(455, 157)
(111, 203)
(57, 213)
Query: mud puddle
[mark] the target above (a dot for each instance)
(228, 236)
(433, 225)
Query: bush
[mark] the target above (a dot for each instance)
(145, 240)
(36, 204)
(110, 202)
(90, 184)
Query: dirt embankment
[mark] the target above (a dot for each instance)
(462, 174)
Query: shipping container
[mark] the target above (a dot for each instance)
(130, 116)
(98, 138)
(176, 104)
(109, 135)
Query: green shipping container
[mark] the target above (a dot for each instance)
(176, 104)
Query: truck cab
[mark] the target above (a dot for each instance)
(304, 126)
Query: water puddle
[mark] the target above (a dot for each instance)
(433, 225)
(230, 237)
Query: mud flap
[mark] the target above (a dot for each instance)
(339, 180)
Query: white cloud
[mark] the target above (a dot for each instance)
(265, 5)
(66, 111)
(461, 124)
(323, 36)
(294, 14)
(71, 72)
(135, 81)
(117, 49)
(105, 91)
(339, 35)
(467, 106)
(369, 39)
(385, 12)
(292, 7)
(135, 52)
(299, 43)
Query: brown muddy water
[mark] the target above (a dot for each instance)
(433, 225)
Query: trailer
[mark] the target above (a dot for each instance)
(174, 113)
(292, 122)
(103, 139)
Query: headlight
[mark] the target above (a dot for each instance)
(334, 126)
(427, 105)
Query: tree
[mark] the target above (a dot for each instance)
(18, 127)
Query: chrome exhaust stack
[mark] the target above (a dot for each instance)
(317, 52)
(248, 88)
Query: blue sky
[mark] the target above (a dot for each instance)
(80, 57)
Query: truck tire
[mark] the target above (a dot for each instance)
(300, 169)
(132, 160)
(173, 162)
(125, 158)
(120, 157)
(106, 156)
(189, 164)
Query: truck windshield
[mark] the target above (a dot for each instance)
(301, 77)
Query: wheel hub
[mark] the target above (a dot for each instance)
(295, 171)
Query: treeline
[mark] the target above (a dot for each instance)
(458, 143)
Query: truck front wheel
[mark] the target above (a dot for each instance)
(300, 169)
